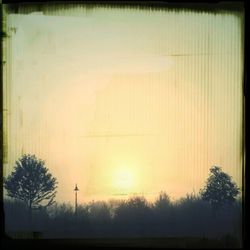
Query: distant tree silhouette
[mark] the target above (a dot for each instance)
(133, 216)
(31, 182)
(162, 201)
(98, 212)
(219, 189)
(189, 216)
(164, 215)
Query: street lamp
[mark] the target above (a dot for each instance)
(76, 189)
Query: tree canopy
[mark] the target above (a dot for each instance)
(31, 182)
(162, 201)
(219, 189)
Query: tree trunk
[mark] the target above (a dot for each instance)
(30, 216)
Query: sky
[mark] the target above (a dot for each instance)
(124, 101)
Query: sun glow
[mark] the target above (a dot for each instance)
(124, 179)
(140, 112)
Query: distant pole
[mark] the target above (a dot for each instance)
(76, 189)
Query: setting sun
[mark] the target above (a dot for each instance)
(124, 106)
(124, 179)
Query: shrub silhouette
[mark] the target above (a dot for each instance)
(16, 215)
(193, 215)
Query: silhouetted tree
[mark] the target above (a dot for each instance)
(162, 201)
(164, 216)
(31, 182)
(133, 217)
(219, 189)
(98, 212)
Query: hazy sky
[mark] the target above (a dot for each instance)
(125, 101)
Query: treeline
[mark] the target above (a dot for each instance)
(136, 217)
(32, 211)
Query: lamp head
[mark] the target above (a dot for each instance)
(76, 188)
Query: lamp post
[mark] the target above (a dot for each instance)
(76, 189)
